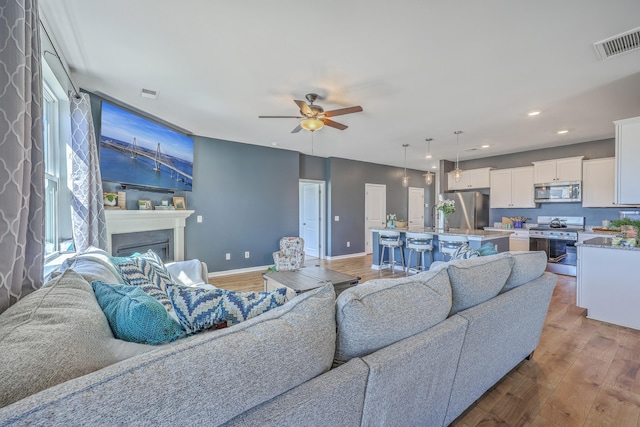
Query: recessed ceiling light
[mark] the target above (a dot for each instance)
(428, 156)
(434, 167)
(485, 146)
(563, 131)
(533, 113)
(275, 144)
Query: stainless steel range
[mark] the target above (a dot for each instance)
(557, 236)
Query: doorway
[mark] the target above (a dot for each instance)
(416, 207)
(375, 202)
(311, 217)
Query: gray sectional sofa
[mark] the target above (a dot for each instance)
(409, 351)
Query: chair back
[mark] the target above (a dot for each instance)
(389, 238)
(448, 244)
(419, 241)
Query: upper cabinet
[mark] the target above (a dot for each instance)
(558, 170)
(512, 188)
(598, 183)
(627, 155)
(470, 179)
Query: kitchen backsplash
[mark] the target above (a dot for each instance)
(593, 216)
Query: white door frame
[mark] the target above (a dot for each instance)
(323, 197)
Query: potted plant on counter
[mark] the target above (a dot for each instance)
(630, 227)
(447, 207)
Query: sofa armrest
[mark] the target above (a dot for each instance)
(189, 273)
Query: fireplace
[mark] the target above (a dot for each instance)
(159, 241)
(143, 225)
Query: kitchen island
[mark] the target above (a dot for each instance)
(607, 281)
(476, 239)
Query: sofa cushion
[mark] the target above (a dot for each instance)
(527, 266)
(199, 309)
(147, 271)
(93, 264)
(136, 316)
(54, 334)
(476, 280)
(380, 312)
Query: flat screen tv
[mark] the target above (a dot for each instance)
(138, 152)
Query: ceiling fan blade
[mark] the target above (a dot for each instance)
(342, 111)
(281, 117)
(334, 124)
(297, 129)
(304, 108)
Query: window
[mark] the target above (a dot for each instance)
(55, 126)
(51, 170)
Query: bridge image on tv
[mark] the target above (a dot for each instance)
(135, 150)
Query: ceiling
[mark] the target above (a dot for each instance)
(419, 69)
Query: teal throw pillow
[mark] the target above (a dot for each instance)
(487, 249)
(200, 309)
(465, 252)
(147, 271)
(135, 316)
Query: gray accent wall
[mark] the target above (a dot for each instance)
(248, 198)
(346, 195)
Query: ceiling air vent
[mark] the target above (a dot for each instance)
(616, 45)
(149, 93)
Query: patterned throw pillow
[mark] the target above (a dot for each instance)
(147, 271)
(465, 252)
(135, 316)
(199, 309)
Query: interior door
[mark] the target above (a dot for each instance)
(416, 207)
(310, 217)
(375, 200)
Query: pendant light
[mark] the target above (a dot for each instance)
(428, 177)
(457, 172)
(405, 178)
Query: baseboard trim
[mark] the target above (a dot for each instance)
(332, 258)
(239, 271)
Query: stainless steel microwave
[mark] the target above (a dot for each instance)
(558, 192)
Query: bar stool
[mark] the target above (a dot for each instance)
(391, 240)
(419, 243)
(448, 244)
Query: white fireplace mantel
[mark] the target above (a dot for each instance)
(130, 221)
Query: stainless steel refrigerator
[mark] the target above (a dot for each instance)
(472, 210)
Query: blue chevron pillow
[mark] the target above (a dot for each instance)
(147, 271)
(199, 309)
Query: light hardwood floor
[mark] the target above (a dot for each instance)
(583, 373)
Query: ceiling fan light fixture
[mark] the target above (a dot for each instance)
(311, 124)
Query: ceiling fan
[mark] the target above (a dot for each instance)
(314, 115)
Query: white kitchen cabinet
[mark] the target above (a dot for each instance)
(598, 183)
(512, 188)
(558, 170)
(470, 179)
(627, 155)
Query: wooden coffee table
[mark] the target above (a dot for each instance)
(308, 278)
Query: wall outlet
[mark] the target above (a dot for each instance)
(199, 218)
(227, 256)
(247, 254)
(348, 244)
(336, 218)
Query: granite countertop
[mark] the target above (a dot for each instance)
(605, 242)
(472, 234)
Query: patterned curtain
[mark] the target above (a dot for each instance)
(21, 152)
(87, 208)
